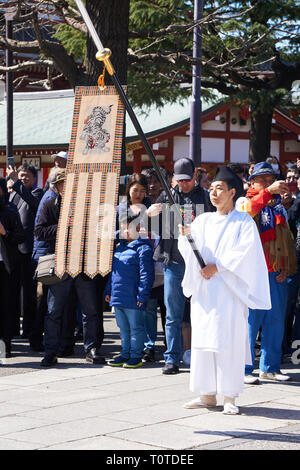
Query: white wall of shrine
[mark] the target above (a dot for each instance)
(213, 148)
(292, 146)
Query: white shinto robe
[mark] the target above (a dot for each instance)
(219, 306)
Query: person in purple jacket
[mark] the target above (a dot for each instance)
(128, 289)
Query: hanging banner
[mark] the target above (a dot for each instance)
(86, 225)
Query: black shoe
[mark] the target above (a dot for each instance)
(94, 357)
(69, 351)
(148, 355)
(49, 360)
(170, 369)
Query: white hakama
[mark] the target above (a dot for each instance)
(219, 306)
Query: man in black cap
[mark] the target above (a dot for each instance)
(221, 293)
(192, 200)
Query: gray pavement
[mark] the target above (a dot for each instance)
(79, 406)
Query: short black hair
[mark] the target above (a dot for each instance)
(293, 168)
(26, 167)
(236, 168)
(3, 186)
(152, 173)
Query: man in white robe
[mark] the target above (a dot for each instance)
(234, 279)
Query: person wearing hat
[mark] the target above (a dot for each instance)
(40, 248)
(221, 293)
(87, 290)
(192, 199)
(263, 203)
(60, 159)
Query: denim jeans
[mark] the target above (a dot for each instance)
(150, 321)
(175, 303)
(92, 316)
(132, 331)
(272, 323)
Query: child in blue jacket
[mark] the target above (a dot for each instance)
(128, 289)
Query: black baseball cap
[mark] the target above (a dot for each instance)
(184, 169)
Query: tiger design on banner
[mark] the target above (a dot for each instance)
(95, 136)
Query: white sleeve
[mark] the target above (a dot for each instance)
(243, 268)
(192, 268)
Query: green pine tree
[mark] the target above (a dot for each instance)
(250, 51)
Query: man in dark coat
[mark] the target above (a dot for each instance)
(27, 198)
(11, 234)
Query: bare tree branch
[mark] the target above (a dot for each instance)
(26, 65)
(20, 46)
(231, 63)
(47, 83)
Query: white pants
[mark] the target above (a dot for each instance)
(217, 373)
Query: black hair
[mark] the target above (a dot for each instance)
(293, 168)
(236, 168)
(26, 167)
(152, 173)
(136, 178)
(3, 186)
(149, 173)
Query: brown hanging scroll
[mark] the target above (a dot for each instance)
(87, 219)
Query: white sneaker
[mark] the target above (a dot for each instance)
(230, 409)
(276, 376)
(250, 379)
(201, 402)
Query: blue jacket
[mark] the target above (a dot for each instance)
(132, 274)
(41, 248)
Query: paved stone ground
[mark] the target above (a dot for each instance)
(78, 406)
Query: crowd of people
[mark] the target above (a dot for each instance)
(148, 267)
